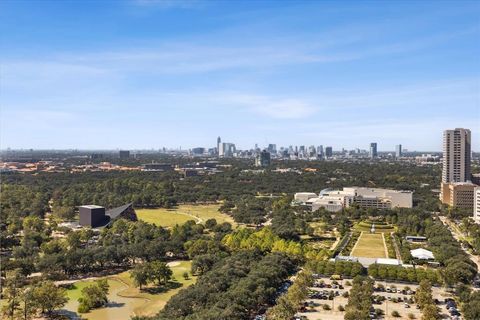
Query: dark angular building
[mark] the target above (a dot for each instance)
(95, 216)
(92, 216)
(123, 212)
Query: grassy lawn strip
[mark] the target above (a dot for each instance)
(370, 246)
(390, 247)
(181, 214)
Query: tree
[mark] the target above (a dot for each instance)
(430, 312)
(471, 309)
(360, 299)
(462, 291)
(284, 309)
(160, 272)
(13, 292)
(48, 297)
(140, 275)
(27, 306)
(94, 296)
(210, 223)
(423, 296)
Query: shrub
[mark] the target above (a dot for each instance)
(83, 308)
(341, 308)
(411, 316)
(395, 314)
(379, 312)
(326, 307)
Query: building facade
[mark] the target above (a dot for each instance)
(92, 216)
(336, 200)
(373, 150)
(398, 151)
(262, 159)
(456, 155)
(124, 154)
(458, 194)
(328, 152)
(476, 212)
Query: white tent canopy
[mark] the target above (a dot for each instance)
(422, 254)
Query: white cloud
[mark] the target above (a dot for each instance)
(272, 107)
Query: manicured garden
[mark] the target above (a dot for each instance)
(370, 245)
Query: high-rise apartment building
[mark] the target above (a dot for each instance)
(328, 152)
(398, 151)
(456, 155)
(320, 151)
(272, 148)
(227, 150)
(373, 150)
(219, 142)
(262, 159)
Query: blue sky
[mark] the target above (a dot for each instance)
(147, 74)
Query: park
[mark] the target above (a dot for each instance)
(176, 216)
(125, 299)
(370, 245)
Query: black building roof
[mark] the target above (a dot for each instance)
(115, 212)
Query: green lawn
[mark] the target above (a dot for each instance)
(136, 302)
(157, 301)
(179, 215)
(370, 246)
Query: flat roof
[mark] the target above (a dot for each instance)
(91, 206)
(393, 262)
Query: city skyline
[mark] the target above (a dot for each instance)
(133, 75)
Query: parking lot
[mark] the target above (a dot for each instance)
(387, 296)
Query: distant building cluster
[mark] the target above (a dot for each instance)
(302, 152)
(336, 200)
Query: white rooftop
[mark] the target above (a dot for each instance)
(422, 254)
(91, 206)
(392, 262)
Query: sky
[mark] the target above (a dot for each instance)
(142, 74)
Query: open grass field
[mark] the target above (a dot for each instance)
(179, 215)
(369, 246)
(127, 300)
